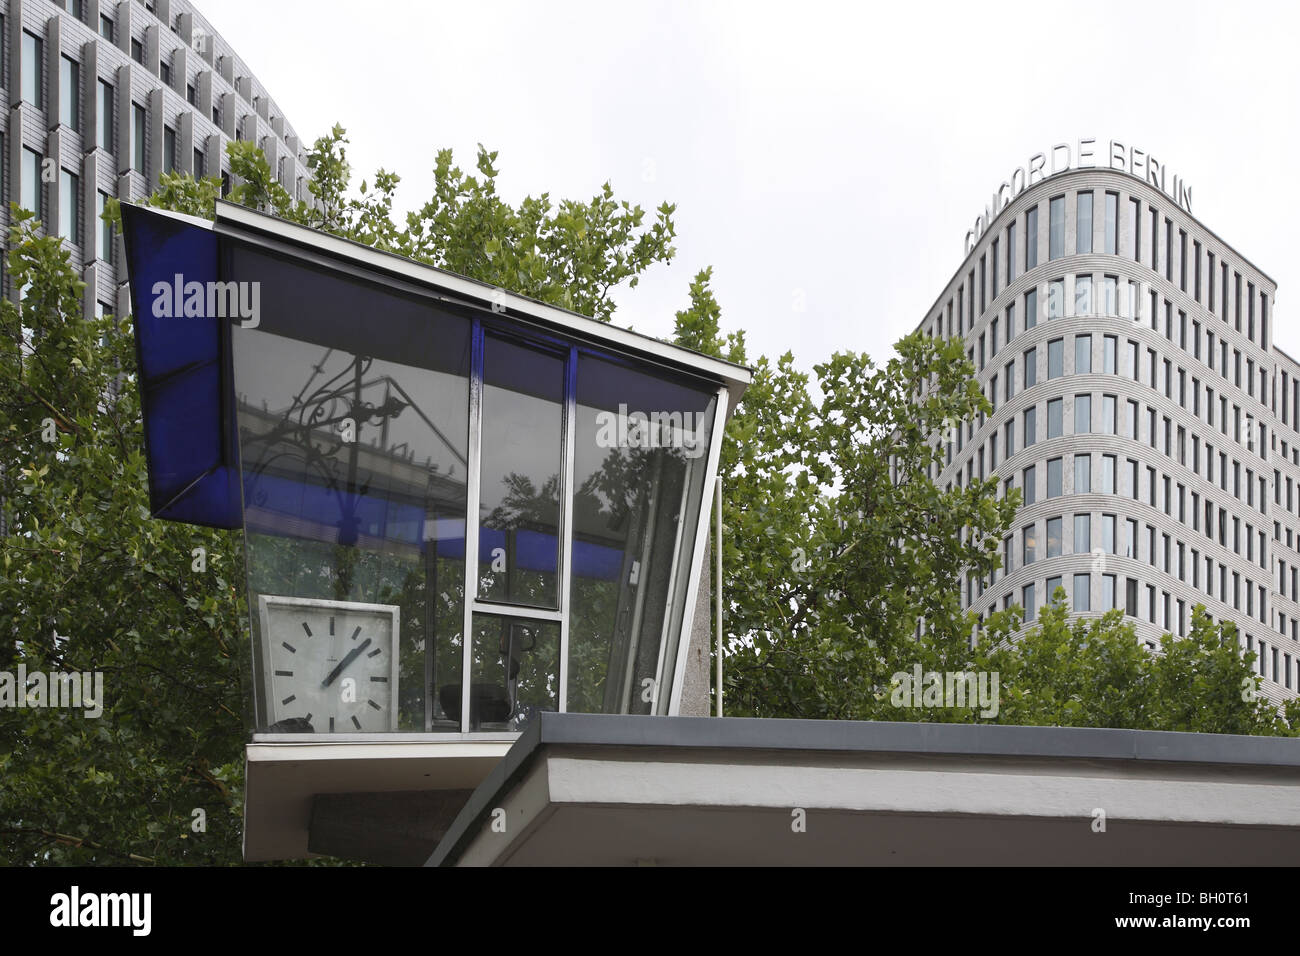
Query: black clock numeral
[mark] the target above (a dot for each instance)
(331, 625)
(356, 723)
(306, 628)
(289, 647)
(284, 673)
(380, 680)
(375, 652)
(356, 632)
(374, 705)
(308, 717)
(288, 700)
(331, 725)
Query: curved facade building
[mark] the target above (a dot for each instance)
(1141, 407)
(101, 98)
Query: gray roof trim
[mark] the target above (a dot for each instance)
(851, 736)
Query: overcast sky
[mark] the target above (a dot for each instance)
(824, 155)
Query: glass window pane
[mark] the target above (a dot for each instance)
(1083, 232)
(354, 448)
(1082, 534)
(33, 69)
(1082, 414)
(31, 189)
(1083, 295)
(1031, 238)
(1082, 474)
(1082, 595)
(1056, 358)
(1056, 228)
(1054, 418)
(1054, 478)
(519, 480)
(516, 671)
(642, 447)
(1056, 298)
(1082, 354)
(1053, 537)
(69, 94)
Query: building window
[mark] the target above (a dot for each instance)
(1056, 228)
(1082, 354)
(1110, 238)
(169, 150)
(1055, 358)
(31, 190)
(1083, 295)
(1011, 252)
(106, 28)
(1056, 299)
(33, 70)
(191, 94)
(1083, 224)
(1082, 592)
(1082, 474)
(1054, 478)
(70, 94)
(1053, 537)
(1055, 409)
(1082, 414)
(137, 137)
(198, 164)
(1108, 474)
(1027, 602)
(1031, 367)
(1031, 309)
(1031, 238)
(1108, 415)
(1030, 485)
(137, 51)
(1031, 425)
(1052, 584)
(69, 220)
(1029, 545)
(1083, 534)
(105, 111)
(104, 233)
(1134, 240)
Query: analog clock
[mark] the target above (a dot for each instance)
(329, 666)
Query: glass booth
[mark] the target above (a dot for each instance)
(459, 507)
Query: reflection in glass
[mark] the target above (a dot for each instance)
(516, 672)
(353, 438)
(642, 446)
(519, 479)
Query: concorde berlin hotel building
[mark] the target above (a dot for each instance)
(1138, 403)
(101, 98)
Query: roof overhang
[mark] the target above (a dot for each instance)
(185, 376)
(616, 790)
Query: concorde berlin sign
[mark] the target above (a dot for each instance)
(1081, 155)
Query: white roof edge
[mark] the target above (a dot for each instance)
(172, 214)
(734, 377)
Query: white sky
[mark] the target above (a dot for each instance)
(832, 155)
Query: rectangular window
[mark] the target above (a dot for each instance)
(1029, 545)
(169, 150)
(1031, 309)
(1054, 478)
(106, 28)
(1011, 256)
(1182, 260)
(137, 137)
(104, 108)
(1027, 602)
(33, 70)
(1056, 228)
(1083, 295)
(1082, 474)
(1031, 425)
(1134, 240)
(1030, 485)
(70, 94)
(1083, 224)
(199, 170)
(104, 234)
(1107, 415)
(1056, 299)
(1053, 537)
(1055, 409)
(1082, 354)
(1082, 414)
(1052, 584)
(1031, 238)
(32, 191)
(1110, 238)
(1031, 367)
(1055, 358)
(1083, 534)
(1082, 592)
(137, 51)
(1108, 534)
(69, 220)
(1108, 474)
(1169, 250)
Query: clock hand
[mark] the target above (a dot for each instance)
(351, 656)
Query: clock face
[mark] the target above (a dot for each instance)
(329, 666)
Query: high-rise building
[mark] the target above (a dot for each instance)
(1138, 403)
(102, 98)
